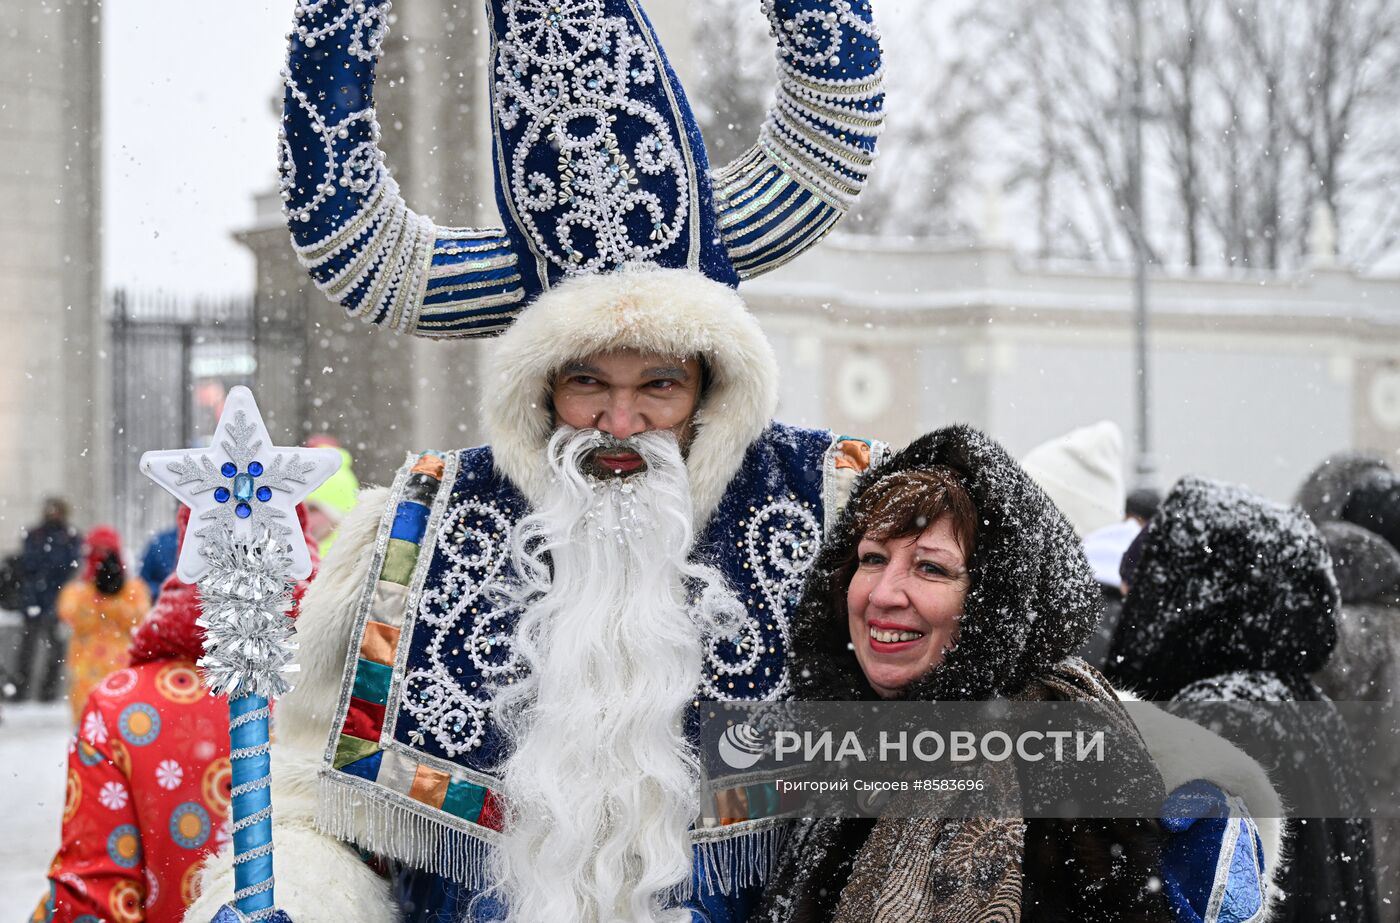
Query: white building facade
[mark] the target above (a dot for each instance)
(1254, 377)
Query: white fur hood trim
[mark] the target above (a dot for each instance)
(674, 312)
(1184, 751)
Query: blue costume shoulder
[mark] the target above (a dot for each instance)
(415, 744)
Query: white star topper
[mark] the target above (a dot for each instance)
(240, 483)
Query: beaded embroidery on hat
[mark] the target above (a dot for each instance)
(599, 161)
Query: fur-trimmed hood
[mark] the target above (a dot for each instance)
(673, 312)
(1032, 602)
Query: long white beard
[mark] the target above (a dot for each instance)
(602, 785)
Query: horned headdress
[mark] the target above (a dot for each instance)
(598, 159)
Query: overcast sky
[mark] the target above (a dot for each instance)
(190, 136)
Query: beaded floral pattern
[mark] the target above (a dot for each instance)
(780, 542)
(466, 614)
(597, 153)
(365, 248)
(463, 624)
(567, 76)
(469, 618)
(359, 167)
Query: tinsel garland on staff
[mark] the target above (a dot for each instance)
(248, 649)
(245, 602)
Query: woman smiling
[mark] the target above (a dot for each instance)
(952, 577)
(909, 579)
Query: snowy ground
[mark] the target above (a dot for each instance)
(33, 769)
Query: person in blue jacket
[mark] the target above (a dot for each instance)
(158, 559)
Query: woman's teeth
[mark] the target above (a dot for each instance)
(893, 637)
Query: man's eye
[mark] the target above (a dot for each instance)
(584, 380)
(661, 384)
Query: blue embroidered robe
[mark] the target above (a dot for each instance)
(408, 771)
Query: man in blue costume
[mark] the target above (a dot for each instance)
(499, 656)
(631, 441)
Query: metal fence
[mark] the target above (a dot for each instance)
(173, 361)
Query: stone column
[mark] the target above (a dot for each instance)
(54, 430)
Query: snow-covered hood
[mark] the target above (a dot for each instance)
(1227, 582)
(1367, 567)
(1032, 602)
(673, 312)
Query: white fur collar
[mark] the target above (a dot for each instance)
(674, 312)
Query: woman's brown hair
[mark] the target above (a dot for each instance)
(908, 502)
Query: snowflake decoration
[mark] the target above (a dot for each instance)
(113, 796)
(169, 775)
(244, 599)
(94, 728)
(240, 486)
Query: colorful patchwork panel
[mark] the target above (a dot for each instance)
(741, 803)
(359, 746)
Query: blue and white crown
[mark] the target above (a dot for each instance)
(598, 159)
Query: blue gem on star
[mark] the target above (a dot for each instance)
(244, 488)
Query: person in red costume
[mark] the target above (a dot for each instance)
(148, 776)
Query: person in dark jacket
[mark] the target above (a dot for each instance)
(952, 577)
(1327, 491)
(50, 556)
(1365, 667)
(1233, 599)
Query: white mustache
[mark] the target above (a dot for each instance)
(569, 447)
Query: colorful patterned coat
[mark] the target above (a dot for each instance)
(145, 804)
(149, 780)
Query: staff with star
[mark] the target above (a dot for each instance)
(243, 552)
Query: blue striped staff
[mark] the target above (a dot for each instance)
(244, 550)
